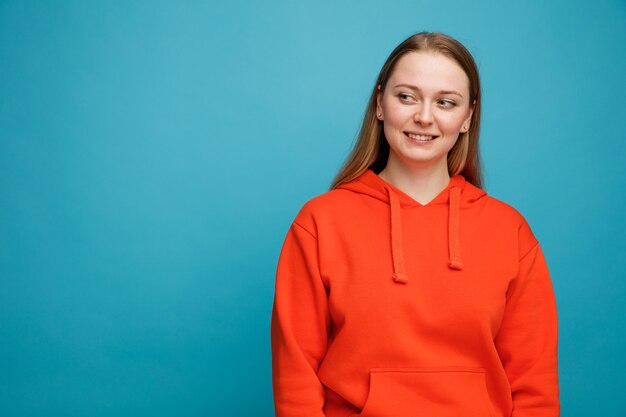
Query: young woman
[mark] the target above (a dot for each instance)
(405, 290)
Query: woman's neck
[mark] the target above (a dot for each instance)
(421, 184)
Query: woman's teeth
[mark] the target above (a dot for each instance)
(420, 137)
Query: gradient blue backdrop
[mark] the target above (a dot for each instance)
(153, 155)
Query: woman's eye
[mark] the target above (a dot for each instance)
(447, 103)
(405, 97)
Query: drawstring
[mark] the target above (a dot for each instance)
(454, 242)
(399, 274)
(454, 238)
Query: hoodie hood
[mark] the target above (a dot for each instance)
(457, 195)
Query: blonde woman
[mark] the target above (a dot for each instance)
(405, 290)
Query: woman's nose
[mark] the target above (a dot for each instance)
(423, 115)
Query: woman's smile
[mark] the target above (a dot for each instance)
(420, 137)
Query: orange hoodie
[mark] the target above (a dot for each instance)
(385, 307)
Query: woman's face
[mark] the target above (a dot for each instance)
(424, 108)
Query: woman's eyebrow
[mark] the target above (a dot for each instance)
(415, 88)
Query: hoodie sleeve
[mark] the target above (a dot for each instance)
(299, 327)
(527, 340)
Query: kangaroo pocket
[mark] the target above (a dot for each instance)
(428, 392)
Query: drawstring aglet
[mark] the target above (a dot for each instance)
(400, 278)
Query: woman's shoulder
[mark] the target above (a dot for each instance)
(322, 206)
(503, 209)
(505, 214)
(492, 207)
(326, 202)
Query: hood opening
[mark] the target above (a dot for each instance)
(457, 195)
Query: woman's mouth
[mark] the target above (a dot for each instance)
(420, 138)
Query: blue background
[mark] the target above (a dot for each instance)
(153, 155)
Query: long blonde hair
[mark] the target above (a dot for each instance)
(372, 150)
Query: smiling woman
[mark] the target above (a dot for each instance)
(405, 289)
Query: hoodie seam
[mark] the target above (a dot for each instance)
(305, 229)
(325, 282)
(529, 252)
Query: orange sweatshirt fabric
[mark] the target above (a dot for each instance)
(385, 307)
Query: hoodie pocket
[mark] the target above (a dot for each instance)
(428, 392)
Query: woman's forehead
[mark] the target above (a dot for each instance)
(429, 70)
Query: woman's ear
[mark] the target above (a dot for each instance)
(467, 122)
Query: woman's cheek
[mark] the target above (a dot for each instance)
(451, 123)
